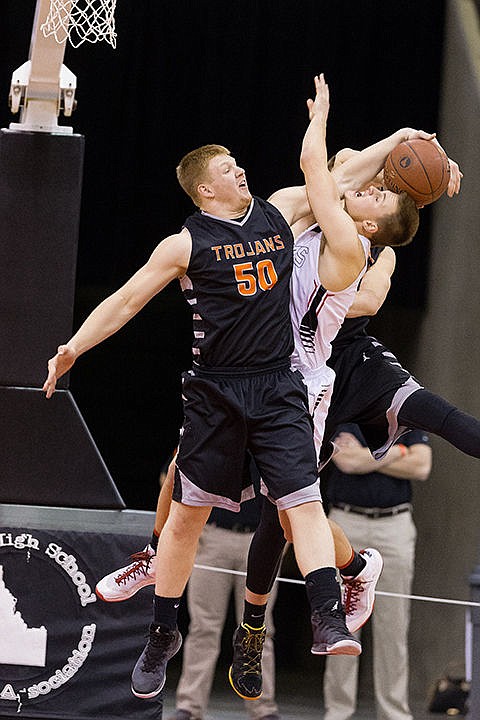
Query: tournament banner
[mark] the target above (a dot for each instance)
(64, 653)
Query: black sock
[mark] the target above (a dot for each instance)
(254, 615)
(165, 611)
(321, 586)
(154, 540)
(354, 567)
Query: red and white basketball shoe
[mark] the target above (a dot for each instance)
(126, 581)
(358, 593)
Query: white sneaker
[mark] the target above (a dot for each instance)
(125, 582)
(358, 593)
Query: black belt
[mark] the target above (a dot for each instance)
(236, 527)
(374, 513)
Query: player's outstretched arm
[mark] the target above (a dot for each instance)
(343, 255)
(359, 168)
(168, 261)
(292, 203)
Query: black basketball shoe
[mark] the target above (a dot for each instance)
(330, 633)
(245, 672)
(149, 674)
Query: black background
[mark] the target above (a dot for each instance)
(195, 72)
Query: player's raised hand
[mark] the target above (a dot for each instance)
(58, 365)
(321, 104)
(412, 134)
(456, 176)
(453, 187)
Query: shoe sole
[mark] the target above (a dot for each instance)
(124, 596)
(244, 697)
(342, 647)
(157, 691)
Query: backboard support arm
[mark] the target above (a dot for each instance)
(43, 87)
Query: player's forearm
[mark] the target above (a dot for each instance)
(321, 187)
(363, 167)
(108, 317)
(366, 302)
(313, 157)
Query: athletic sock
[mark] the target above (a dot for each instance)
(165, 611)
(321, 586)
(254, 615)
(354, 567)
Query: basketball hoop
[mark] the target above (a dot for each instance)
(80, 21)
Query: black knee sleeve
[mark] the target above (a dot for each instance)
(430, 412)
(265, 553)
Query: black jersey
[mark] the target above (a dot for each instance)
(238, 285)
(353, 327)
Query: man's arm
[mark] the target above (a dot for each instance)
(374, 286)
(408, 463)
(343, 257)
(361, 167)
(292, 203)
(168, 261)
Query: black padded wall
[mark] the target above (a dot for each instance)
(47, 454)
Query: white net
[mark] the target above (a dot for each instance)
(80, 21)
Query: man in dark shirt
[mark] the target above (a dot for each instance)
(372, 502)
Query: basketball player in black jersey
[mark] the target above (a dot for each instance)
(353, 400)
(234, 259)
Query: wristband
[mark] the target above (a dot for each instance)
(403, 449)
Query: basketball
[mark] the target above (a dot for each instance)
(420, 167)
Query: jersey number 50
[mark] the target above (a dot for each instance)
(248, 279)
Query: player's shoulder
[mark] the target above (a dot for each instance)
(175, 248)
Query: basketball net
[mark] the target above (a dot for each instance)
(80, 21)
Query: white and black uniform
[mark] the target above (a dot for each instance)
(370, 387)
(317, 315)
(241, 393)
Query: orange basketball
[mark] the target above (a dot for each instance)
(420, 167)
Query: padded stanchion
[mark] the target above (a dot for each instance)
(47, 454)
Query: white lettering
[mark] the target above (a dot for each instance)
(69, 564)
(60, 677)
(19, 542)
(8, 693)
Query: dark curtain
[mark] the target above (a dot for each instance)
(193, 72)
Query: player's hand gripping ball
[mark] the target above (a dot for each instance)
(420, 167)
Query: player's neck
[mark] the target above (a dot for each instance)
(225, 210)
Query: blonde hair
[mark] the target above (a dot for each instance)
(192, 168)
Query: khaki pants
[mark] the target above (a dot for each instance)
(208, 596)
(395, 538)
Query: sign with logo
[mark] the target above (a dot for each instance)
(63, 651)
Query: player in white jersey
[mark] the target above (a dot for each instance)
(317, 315)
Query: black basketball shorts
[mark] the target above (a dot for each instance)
(370, 388)
(226, 414)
